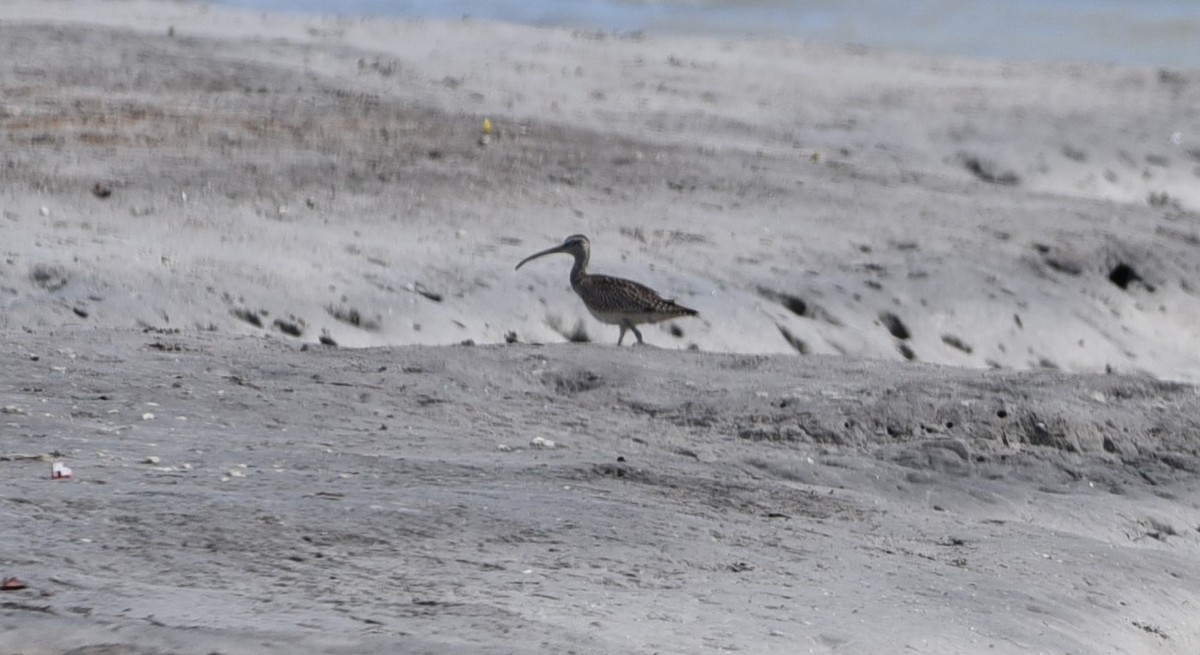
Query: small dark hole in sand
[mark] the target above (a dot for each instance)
(289, 328)
(676, 331)
(906, 352)
(894, 325)
(989, 171)
(1064, 266)
(248, 316)
(1002, 414)
(353, 317)
(794, 341)
(957, 343)
(431, 295)
(794, 304)
(1123, 275)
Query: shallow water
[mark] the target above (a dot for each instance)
(1151, 33)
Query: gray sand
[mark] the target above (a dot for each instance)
(405, 499)
(939, 398)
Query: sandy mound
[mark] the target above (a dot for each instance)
(316, 177)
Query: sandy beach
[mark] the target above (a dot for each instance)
(258, 294)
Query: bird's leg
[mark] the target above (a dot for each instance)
(635, 332)
(622, 337)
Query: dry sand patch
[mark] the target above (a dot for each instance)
(324, 178)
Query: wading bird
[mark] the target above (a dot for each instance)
(613, 300)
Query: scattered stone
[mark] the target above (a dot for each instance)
(247, 315)
(542, 442)
(894, 325)
(989, 171)
(421, 289)
(957, 343)
(293, 328)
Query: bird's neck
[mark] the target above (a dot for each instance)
(579, 270)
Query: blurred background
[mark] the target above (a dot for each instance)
(1134, 32)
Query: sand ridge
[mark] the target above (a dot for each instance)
(326, 174)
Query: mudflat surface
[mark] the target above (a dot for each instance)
(939, 397)
(243, 495)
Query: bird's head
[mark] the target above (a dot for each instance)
(575, 245)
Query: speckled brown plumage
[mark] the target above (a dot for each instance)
(614, 300)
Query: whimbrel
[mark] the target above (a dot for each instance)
(613, 300)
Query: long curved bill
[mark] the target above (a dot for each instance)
(548, 251)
